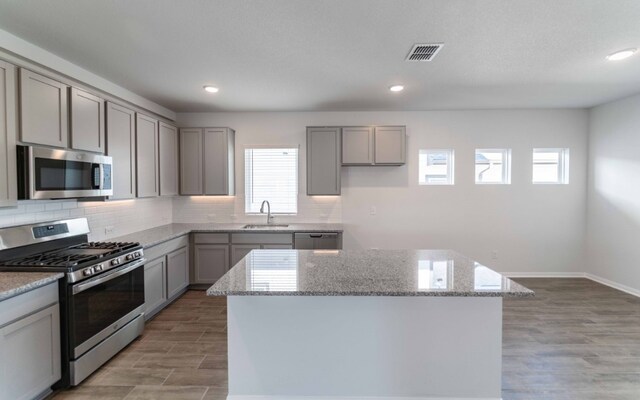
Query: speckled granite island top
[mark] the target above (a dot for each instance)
(15, 283)
(154, 236)
(363, 273)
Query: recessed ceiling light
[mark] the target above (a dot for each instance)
(396, 88)
(621, 55)
(211, 89)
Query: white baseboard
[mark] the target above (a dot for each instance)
(240, 397)
(586, 275)
(543, 274)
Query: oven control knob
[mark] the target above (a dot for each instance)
(87, 271)
(129, 257)
(115, 261)
(136, 254)
(98, 268)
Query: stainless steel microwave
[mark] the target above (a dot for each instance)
(45, 173)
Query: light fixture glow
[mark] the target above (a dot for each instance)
(211, 89)
(621, 55)
(396, 88)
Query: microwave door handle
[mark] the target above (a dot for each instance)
(96, 176)
(95, 282)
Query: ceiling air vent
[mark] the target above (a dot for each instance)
(424, 52)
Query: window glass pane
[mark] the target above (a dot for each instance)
(550, 165)
(435, 167)
(493, 166)
(271, 174)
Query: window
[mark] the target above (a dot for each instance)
(436, 167)
(493, 166)
(551, 166)
(271, 174)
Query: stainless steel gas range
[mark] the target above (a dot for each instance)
(101, 296)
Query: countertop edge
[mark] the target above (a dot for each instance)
(13, 292)
(215, 293)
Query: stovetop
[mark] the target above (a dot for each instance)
(74, 257)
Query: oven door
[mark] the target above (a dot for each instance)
(101, 305)
(55, 174)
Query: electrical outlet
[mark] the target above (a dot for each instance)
(211, 217)
(234, 216)
(494, 255)
(108, 230)
(373, 210)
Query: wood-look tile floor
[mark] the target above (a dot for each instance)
(576, 340)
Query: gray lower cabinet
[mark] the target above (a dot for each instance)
(121, 146)
(87, 121)
(207, 161)
(357, 145)
(390, 145)
(146, 156)
(168, 139)
(155, 285)
(8, 126)
(323, 161)
(43, 110)
(177, 271)
(239, 251)
(30, 344)
(211, 261)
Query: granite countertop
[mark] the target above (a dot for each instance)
(153, 236)
(15, 283)
(363, 273)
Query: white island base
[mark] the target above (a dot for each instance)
(368, 347)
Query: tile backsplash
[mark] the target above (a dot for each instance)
(107, 219)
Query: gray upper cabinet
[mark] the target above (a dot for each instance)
(191, 161)
(87, 121)
(43, 110)
(357, 145)
(147, 156)
(168, 160)
(219, 149)
(121, 146)
(8, 174)
(390, 145)
(207, 161)
(323, 161)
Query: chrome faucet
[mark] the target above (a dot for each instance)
(269, 216)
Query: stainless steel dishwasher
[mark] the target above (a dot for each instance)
(317, 241)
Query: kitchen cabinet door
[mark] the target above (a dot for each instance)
(43, 110)
(323, 161)
(87, 121)
(30, 355)
(390, 145)
(121, 146)
(357, 145)
(191, 161)
(147, 156)
(168, 160)
(276, 246)
(155, 286)
(177, 271)
(239, 251)
(211, 261)
(8, 172)
(219, 148)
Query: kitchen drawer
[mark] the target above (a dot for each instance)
(262, 238)
(26, 303)
(211, 238)
(167, 247)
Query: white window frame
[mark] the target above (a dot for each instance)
(563, 164)
(450, 167)
(506, 166)
(247, 196)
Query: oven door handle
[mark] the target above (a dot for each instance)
(88, 285)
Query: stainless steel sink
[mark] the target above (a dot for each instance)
(264, 226)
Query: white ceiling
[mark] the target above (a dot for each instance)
(295, 55)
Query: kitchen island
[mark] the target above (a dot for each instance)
(379, 324)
